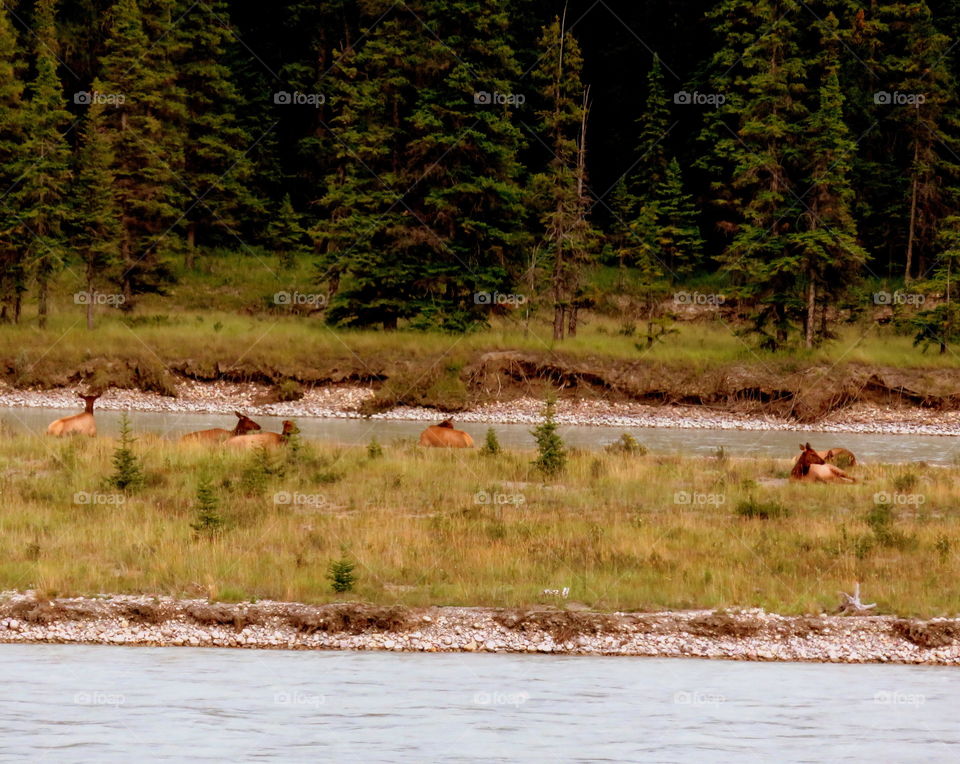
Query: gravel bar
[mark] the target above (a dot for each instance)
(343, 402)
(738, 635)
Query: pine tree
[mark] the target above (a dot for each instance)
(341, 574)
(95, 220)
(940, 325)
(831, 257)
(561, 189)
(652, 165)
(42, 194)
(127, 470)
(216, 170)
(551, 453)
(12, 159)
(755, 146)
(208, 520)
(145, 141)
(677, 233)
(286, 235)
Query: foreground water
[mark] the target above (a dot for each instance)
(79, 703)
(869, 447)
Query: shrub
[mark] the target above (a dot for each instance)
(127, 474)
(374, 449)
(340, 575)
(551, 453)
(207, 508)
(627, 445)
(289, 390)
(491, 446)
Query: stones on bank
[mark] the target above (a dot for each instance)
(741, 635)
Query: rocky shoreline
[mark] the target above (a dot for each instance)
(741, 635)
(344, 401)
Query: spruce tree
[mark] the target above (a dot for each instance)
(42, 197)
(653, 126)
(561, 189)
(286, 234)
(95, 221)
(676, 230)
(13, 278)
(145, 141)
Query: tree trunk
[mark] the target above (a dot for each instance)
(810, 318)
(89, 304)
(43, 291)
(558, 314)
(913, 217)
(572, 322)
(189, 256)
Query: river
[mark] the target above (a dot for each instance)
(872, 447)
(106, 704)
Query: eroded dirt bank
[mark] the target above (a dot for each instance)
(745, 635)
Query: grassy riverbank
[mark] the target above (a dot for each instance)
(460, 528)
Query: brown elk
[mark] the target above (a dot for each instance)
(78, 424)
(444, 436)
(263, 439)
(811, 467)
(218, 434)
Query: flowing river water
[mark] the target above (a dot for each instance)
(120, 704)
(869, 447)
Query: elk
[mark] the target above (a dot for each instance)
(443, 435)
(218, 434)
(263, 439)
(78, 424)
(811, 468)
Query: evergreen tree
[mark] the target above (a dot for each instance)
(940, 325)
(756, 145)
(12, 159)
(677, 233)
(286, 234)
(653, 126)
(831, 256)
(208, 520)
(561, 189)
(95, 221)
(145, 141)
(551, 453)
(216, 170)
(42, 194)
(127, 470)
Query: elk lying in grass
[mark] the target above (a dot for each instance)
(811, 467)
(78, 424)
(218, 434)
(263, 439)
(444, 436)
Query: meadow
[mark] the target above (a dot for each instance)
(620, 531)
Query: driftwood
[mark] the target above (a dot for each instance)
(851, 602)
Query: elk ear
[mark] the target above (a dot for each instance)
(802, 448)
(238, 415)
(807, 447)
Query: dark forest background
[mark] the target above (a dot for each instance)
(433, 158)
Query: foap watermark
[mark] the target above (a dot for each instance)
(896, 98)
(498, 298)
(697, 698)
(897, 698)
(298, 698)
(486, 98)
(294, 499)
(98, 298)
(698, 298)
(696, 98)
(90, 97)
(112, 499)
(899, 499)
(898, 298)
(699, 499)
(99, 698)
(296, 98)
(498, 499)
(313, 299)
(515, 699)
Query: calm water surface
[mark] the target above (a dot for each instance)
(127, 704)
(775, 443)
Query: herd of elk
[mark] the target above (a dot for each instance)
(809, 466)
(244, 425)
(78, 424)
